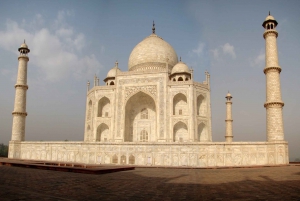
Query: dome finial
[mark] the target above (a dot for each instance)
(153, 28)
(24, 40)
(116, 63)
(179, 58)
(269, 13)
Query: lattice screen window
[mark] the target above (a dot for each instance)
(144, 136)
(144, 113)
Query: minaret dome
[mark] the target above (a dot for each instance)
(23, 49)
(270, 22)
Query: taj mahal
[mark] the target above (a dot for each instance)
(156, 114)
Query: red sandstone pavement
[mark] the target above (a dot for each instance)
(271, 183)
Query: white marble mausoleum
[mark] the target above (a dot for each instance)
(157, 114)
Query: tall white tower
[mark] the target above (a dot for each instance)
(272, 71)
(19, 113)
(228, 136)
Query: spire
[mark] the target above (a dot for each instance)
(88, 86)
(153, 28)
(116, 64)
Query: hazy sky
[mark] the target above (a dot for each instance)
(70, 41)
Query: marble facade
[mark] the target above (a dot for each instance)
(157, 114)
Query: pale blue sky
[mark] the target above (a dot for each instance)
(70, 41)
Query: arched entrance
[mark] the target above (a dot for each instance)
(140, 118)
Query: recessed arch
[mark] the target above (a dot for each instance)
(115, 159)
(131, 159)
(180, 132)
(201, 105)
(180, 79)
(202, 132)
(102, 132)
(123, 159)
(180, 103)
(112, 83)
(140, 114)
(104, 107)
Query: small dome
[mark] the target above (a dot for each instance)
(113, 72)
(24, 45)
(180, 67)
(152, 52)
(270, 17)
(228, 95)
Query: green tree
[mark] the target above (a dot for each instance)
(3, 150)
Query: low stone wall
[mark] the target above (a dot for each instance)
(204, 154)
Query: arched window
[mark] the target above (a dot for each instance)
(131, 160)
(186, 79)
(271, 26)
(174, 79)
(144, 113)
(144, 136)
(112, 83)
(115, 159)
(180, 79)
(268, 26)
(123, 160)
(180, 112)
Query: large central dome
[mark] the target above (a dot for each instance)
(153, 53)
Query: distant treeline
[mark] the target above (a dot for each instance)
(3, 150)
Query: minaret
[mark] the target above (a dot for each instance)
(228, 136)
(19, 113)
(272, 71)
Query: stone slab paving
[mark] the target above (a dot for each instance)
(273, 183)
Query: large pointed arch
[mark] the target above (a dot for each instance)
(180, 106)
(180, 132)
(135, 120)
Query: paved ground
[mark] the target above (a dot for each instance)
(273, 183)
